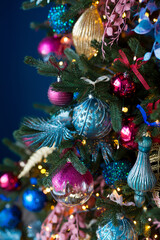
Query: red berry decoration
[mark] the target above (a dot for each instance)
(8, 181)
(128, 133)
(122, 85)
(59, 98)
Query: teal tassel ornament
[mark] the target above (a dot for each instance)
(141, 177)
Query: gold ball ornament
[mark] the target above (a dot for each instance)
(155, 164)
(88, 27)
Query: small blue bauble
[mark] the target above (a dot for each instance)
(91, 118)
(116, 171)
(10, 217)
(34, 200)
(54, 17)
(124, 231)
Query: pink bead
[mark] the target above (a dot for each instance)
(59, 98)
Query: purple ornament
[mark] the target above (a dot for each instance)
(59, 98)
(122, 86)
(51, 45)
(70, 187)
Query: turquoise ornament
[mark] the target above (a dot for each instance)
(91, 118)
(141, 177)
(124, 231)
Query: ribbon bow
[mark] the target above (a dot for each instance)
(115, 197)
(133, 67)
(100, 79)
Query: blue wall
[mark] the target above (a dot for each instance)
(21, 86)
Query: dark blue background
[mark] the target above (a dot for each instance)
(21, 86)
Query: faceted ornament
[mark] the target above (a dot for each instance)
(70, 187)
(91, 118)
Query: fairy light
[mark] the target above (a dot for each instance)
(118, 189)
(145, 208)
(73, 60)
(135, 222)
(43, 171)
(45, 160)
(48, 190)
(149, 219)
(134, 58)
(148, 227)
(97, 194)
(84, 142)
(47, 174)
(147, 14)
(90, 96)
(124, 109)
(39, 166)
(104, 17)
(33, 185)
(29, 227)
(124, 15)
(52, 207)
(84, 208)
(65, 39)
(97, 2)
(87, 206)
(61, 63)
(51, 188)
(71, 217)
(157, 121)
(155, 19)
(140, 1)
(155, 236)
(47, 229)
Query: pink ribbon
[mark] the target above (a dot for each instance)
(133, 67)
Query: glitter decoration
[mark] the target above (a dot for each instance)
(91, 118)
(70, 187)
(116, 171)
(88, 27)
(34, 200)
(124, 231)
(10, 217)
(55, 21)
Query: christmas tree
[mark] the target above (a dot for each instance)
(91, 169)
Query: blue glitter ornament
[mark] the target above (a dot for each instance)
(33, 229)
(10, 234)
(34, 200)
(10, 217)
(116, 171)
(124, 231)
(55, 21)
(91, 118)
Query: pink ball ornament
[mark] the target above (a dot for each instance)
(122, 86)
(59, 98)
(8, 181)
(70, 187)
(128, 133)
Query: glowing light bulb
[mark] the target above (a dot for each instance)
(145, 208)
(52, 207)
(73, 60)
(84, 208)
(124, 15)
(155, 19)
(97, 194)
(71, 217)
(135, 222)
(43, 171)
(90, 96)
(39, 166)
(155, 236)
(104, 17)
(61, 63)
(118, 189)
(124, 109)
(149, 219)
(147, 14)
(134, 58)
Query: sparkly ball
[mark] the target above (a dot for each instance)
(91, 118)
(8, 181)
(128, 133)
(122, 85)
(70, 187)
(59, 98)
(54, 18)
(124, 231)
(116, 171)
(10, 217)
(34, 200)
(50, 45)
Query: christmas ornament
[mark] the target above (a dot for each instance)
(27, 141)
(128, 133)
(34, 200)
(88, 27)
(70, 187)
(91, 118)
(116, 171)
(141, 178)
(10, 234)
(54, 18)
(95, 145)
(122, 85)
(50, 45)
(59, 98)
(8, 181)
(35, 158)
(124, 230)
(10, 217)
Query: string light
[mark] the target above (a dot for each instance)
(124, 109)
(149, 219)
(84, 142)
(155, 19)
(29, 227)
(97, 2)
(124, 15)
(73, 60)
(148, 227)
(134, 58)
(48, 190)
(118, 189)
(71, 217)
(135, 222)
(52, 207)
(43, 171)
(45, 160)
(145, 208)
(104, 17)
(147, 14)
(139, 20)
(47, 229)
(65, 39)
(97, 194)
(39, 166)
(61, 63)
(84, 208)
(155, 236)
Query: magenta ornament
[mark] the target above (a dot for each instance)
(59, 98)
(51, 45)
(122, 85)
(128, 133)
(8, 181)
(70, 187)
